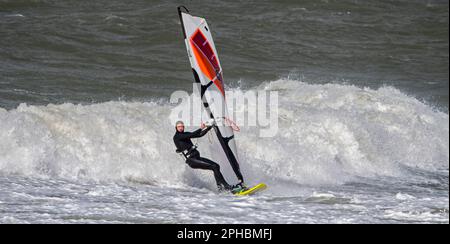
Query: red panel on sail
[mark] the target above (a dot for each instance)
(206, 58)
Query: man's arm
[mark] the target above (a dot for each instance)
(204, 131)
(200, 132)
(195, 134)
(189, 135)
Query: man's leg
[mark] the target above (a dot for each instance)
(204, 163)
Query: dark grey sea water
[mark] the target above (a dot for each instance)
(96, 51)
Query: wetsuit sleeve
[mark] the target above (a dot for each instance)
(188, 135)
(195, 134)
(200, 132)
(203, 132)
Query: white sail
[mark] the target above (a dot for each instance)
(208, 72)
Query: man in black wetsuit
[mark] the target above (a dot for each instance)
(184, 145)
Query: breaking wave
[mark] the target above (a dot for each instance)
(327, 134)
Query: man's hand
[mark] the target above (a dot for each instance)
(210, 122)
(202, 126)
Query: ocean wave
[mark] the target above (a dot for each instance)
(327, 134)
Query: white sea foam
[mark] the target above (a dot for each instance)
(328, 134)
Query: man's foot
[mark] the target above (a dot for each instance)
(238, 188)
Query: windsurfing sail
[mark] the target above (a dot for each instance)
(208, 74)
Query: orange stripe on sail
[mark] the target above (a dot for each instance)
(205, 65)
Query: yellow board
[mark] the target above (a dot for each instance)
(252, 190)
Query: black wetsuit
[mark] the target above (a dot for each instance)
(184, 144)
